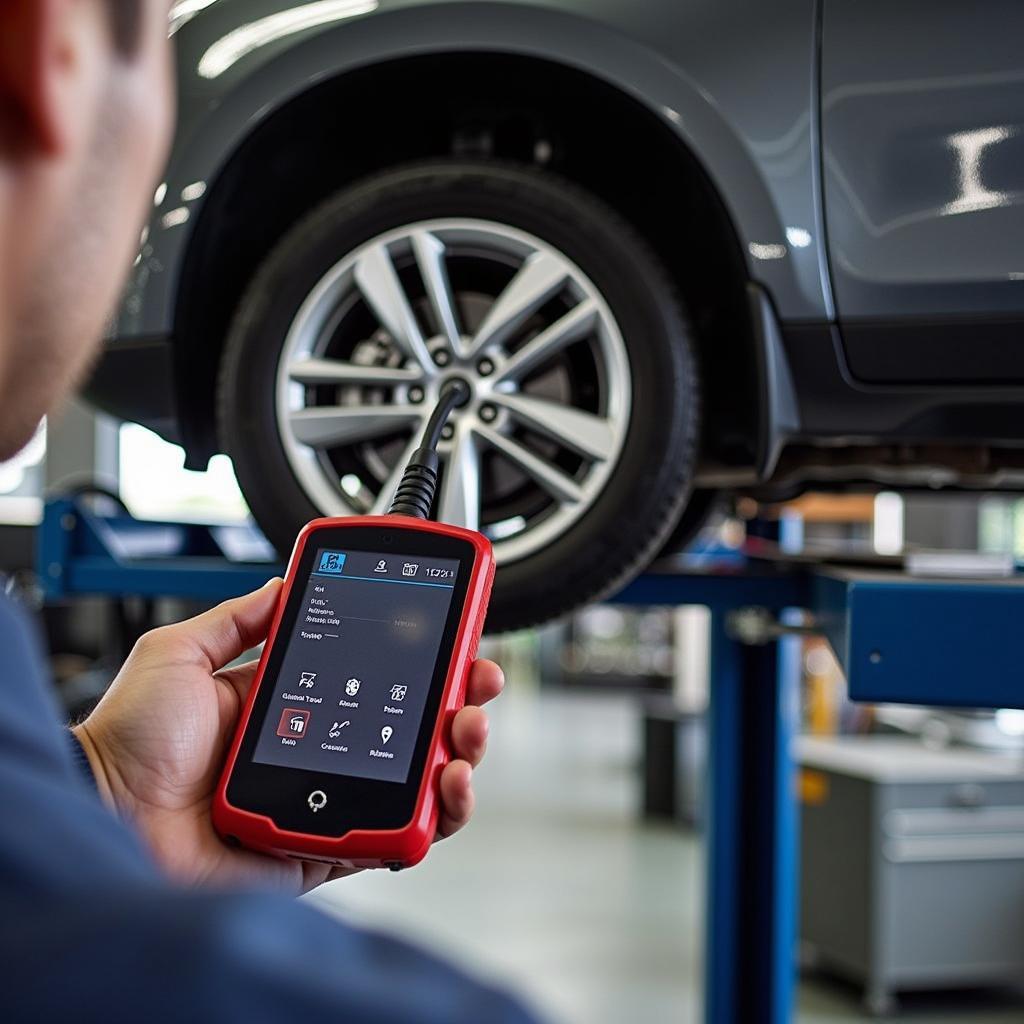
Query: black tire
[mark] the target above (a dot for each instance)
(700, 508)
(629, 521)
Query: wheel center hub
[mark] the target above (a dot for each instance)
(469, 392)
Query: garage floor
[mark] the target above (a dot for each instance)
(556, 891)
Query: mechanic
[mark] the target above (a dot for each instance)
(120, 901)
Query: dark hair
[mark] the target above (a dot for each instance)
(125, 23)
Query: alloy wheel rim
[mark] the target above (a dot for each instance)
(385, 328)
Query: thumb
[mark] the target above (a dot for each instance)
(227, 631)
(240, 678)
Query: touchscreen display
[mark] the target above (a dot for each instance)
(354, 680)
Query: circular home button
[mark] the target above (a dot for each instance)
(316, 800)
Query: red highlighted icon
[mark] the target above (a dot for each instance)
(293, 723)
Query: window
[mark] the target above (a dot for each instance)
(21, 483)
(155, 484)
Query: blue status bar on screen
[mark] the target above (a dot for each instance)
(385, 567)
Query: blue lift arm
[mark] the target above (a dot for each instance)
(80, 551)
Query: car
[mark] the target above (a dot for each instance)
(678, 250)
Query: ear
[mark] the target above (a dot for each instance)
(43, 57)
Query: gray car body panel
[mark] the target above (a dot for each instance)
(923, 131)
(747, 112)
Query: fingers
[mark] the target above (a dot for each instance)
(469, 735)
(486, 681)
(469, 742)
(314, 874)
(223, 633)
(457, 798)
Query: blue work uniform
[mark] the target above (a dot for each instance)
(92, 931)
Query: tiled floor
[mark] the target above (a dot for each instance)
(558, 892)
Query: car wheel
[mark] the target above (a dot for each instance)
(575, 452)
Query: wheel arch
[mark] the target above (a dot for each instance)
(199, 253)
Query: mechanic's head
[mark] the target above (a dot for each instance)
(85, 118)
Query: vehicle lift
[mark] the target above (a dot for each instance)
(899, 639)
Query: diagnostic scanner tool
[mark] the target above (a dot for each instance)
(341, 743)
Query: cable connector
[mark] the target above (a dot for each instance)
(414, 496)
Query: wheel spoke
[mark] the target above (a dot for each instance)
(329, 425)
(429, 251)
(377, 280)
(539, 278)
(564, 331)
(583, 432)
(336, 371)
(559, 485)
(390, 485)
(460, 490)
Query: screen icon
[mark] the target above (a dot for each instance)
(307, 679)
(352, 687)
(293, 723)
(398, 692)
(410, 568)
(382, 566)
(331, 562)
(336, 729)
(317, 800)
(385, 733)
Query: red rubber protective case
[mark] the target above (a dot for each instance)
(402, 847)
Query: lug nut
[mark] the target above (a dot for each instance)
(448, 432)
(416, 394)
(488, 413)
(442, 358)
(485, 367)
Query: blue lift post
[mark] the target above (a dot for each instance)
(751, 807)
(898, 639)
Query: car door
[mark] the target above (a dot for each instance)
(923, 168)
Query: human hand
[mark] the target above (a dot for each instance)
(158, 739)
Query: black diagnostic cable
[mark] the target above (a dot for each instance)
(415, 494)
